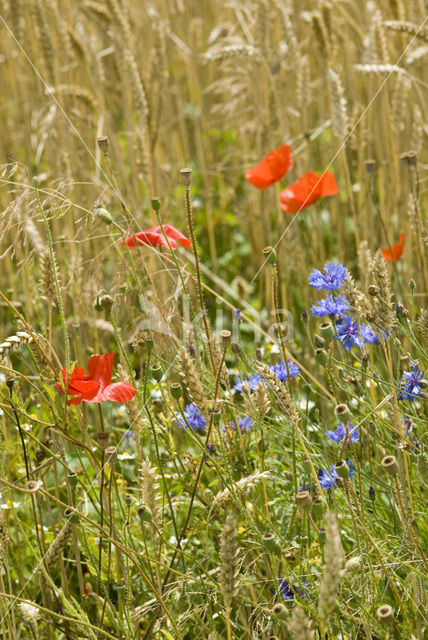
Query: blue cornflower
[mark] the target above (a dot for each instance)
(288, 591)
(251, 384)
(328, 478)
(330, 307)
(411, 384)
(349, 333)
(244, 425)
(340, 433)
(331, 280)
(280, 370)
(368, 335)
(194, 418)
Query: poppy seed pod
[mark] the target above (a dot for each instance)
(157, 372)
(318, 507)
(304, 500)
(321, 356)
(111, 455)
(156, 204)
(216, 416)
(370, 165)
(103, 438)
(236, 349)
(342, 411)
(390, 464)
(327, 330)
(342, 469)
(225, 339)
(72, 479)
(279, 610)
(385, 614)
(321, 536)
(270, 256)
(290, 557)
(145, 514)
(307, 465)
(103, 144)
(176, 390)
(318, 341)
(186, 177)
(71, 516)
(409, 158)
(271, 544)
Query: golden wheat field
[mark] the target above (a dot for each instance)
(214, 321)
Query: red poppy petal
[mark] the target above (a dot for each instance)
(116, 392)
(100, 368)
(396, 251)
(85, 387)
(173, 232)
(271, 169)
(328, 185)
(149, 237)
(287, 201)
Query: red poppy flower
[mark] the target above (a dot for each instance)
(272, 168)
(309, 188)
(154, 237)
(97, 386)
(396, 251)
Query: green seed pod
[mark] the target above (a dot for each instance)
(390, 464)
(342, 411)
(307, 465)
(71, 516)
(270, 256)
(156, 204)
(157, 372)
(145, 514)
(318, 507)
(271, 544)
(279, 610)
(321, 356)
(176, 390)
(304, 500)
(321, 537)
(342, 469)
(72, 479)
(327, 330)
(385, 614)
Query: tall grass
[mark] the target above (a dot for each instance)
(159, 517)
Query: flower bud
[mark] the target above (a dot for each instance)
(106, 302)
(270, 256)
(412, 284)
(103, 215)
(390, 464)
